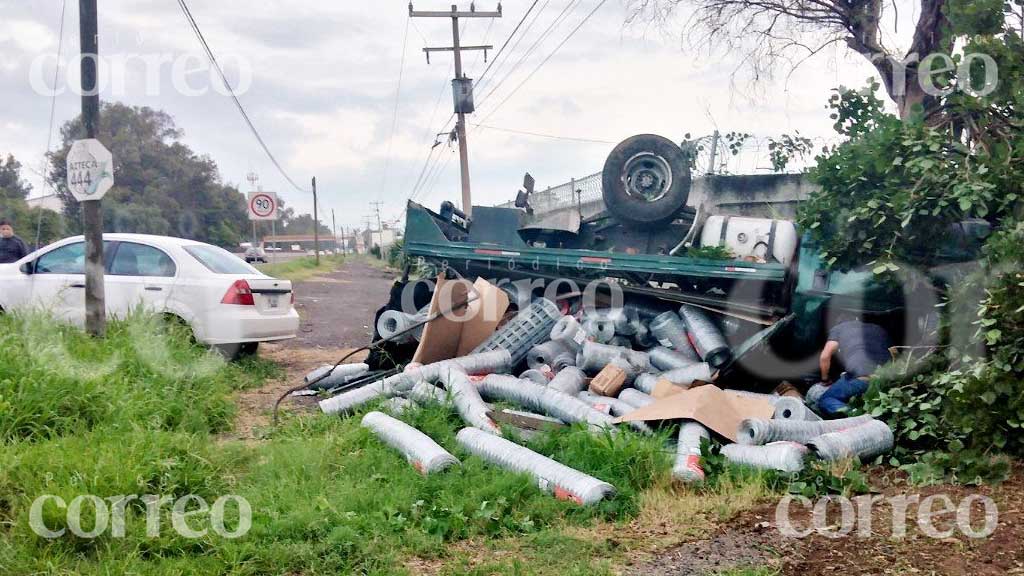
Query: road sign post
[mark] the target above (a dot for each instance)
(263, 206)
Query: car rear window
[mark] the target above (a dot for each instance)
(220, 261)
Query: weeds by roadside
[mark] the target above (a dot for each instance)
(302, 268)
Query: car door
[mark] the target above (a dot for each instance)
(139, 276)
(58, 283)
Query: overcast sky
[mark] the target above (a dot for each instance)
(324, 77)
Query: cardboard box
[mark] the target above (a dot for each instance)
(460, 331)
(609, 381)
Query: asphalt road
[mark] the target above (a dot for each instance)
(337, 308)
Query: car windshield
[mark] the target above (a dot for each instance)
(219, 261)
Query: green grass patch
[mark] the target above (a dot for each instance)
(303, 268)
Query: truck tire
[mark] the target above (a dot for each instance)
(646, 180)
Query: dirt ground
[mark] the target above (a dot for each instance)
(336, 310)
(753, 539)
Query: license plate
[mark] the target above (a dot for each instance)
(273, 300)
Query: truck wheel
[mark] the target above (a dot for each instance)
(646, 180)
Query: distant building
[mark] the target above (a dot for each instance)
(383, 238)
(305, 242)
(51, 202)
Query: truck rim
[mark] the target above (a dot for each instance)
(647, 176)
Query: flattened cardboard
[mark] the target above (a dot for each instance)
(709, 405)
(460, 331)
(664, 388)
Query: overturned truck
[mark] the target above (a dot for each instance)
(633, 235)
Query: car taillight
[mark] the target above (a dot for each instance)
(239, 294)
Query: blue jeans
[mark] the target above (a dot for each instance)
(834, 400)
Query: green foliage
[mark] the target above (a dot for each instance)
(13, 207)
(375, 251)
(303, 268)
(710, 253)
(396, 254)
(815, 480)
(783, 150)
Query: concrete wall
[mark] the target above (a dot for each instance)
(760, 196)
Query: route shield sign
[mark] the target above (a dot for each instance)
(90, 170)
(262, 206)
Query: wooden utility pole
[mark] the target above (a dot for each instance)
(334, 230)
(462, 87)
(316, 225)
(92, 213)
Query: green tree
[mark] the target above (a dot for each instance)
(28, 222)
(161, 185)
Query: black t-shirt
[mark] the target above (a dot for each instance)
(862, 347)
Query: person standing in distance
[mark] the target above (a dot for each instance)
(12, 248)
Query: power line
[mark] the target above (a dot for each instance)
(519, 39)
(569, 7)
(545, 61)
(541, 135)
(53, 112)
(394, 115)
(234, 97)
(507, 40)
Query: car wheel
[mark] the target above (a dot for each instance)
(646, 180)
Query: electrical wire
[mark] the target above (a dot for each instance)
(505, 43)
(472, 297)
(568, 9)
(53, 111)
(545, 61)
(394, 114)
(515, 45)
(234, 97)
(540, 135)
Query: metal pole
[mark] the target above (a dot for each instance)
(316, 225)
(714, 152)
(92, 213)
(460, 125)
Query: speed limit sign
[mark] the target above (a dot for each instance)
(262, 206)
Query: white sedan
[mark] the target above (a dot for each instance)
(226, 302)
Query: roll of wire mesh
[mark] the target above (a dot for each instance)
(866, 441)
(707, 339)
(554, 477)
(420, 450)
(687, 468)
(781, 456)
(757, 432)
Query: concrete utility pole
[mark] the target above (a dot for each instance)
(316, 225)
(462, 87)
(380, 228)
(92, 213)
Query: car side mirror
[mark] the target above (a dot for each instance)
(27, 267)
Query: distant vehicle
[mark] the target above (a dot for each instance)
(227, 303)
(255, 255)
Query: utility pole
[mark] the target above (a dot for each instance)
(316, 225)
(334, 230)
(462, 87)
(380, 228)
(92, 214)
